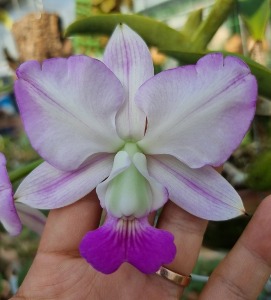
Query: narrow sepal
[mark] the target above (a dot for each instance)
(202, 192)
(129, 58)
(47, 187)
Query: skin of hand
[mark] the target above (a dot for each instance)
(58, 271)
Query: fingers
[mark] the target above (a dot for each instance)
(243, 273)
(66, 226)
(188, 232)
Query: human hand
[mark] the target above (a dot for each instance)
(59, 272)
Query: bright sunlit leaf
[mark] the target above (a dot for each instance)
(255, 14)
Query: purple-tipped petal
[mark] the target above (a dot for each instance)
(8, 214)
(129, 58)
(202, 192)
(68, 107)
(31, 217)
(199, 114)
(133, 241)
(48, 188)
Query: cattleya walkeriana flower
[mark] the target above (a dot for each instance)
(8, 213)
(13, 215)
(140, 139)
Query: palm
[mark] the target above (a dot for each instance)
(59, 272)
(64, 276)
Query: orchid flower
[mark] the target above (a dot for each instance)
(8, 213)
(13, 215)
(137, 138)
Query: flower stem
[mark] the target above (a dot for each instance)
(24, 170)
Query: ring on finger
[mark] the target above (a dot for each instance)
(179, 279)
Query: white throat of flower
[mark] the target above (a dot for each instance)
(130, 190)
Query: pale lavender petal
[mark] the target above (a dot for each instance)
(68, 107)
(133, 241)
(129, 58)
(202, 192)
(199, 114)
(32, 218)
(48, 188)
(8, 215)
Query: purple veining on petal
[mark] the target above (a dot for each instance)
(47, 187)
(128, 240)
(128, 56)
(64, 177)
(190, 183)
(73, 102)
(202, 192)
(238, 80)
(210, 103)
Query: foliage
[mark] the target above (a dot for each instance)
(255, 15)
(203, 267)
(17, 150)
(154, 33)
(259, 172)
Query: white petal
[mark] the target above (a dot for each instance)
(199, 114)
(68, 107)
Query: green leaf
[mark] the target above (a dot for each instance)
(6, 89)
(259, 172)
(192, 23)
(24, 170)
(262, 73)
(255, 14)
(208, 28)
(155, 33)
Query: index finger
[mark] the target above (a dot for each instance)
(66, 226)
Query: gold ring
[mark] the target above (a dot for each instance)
(181, 280)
